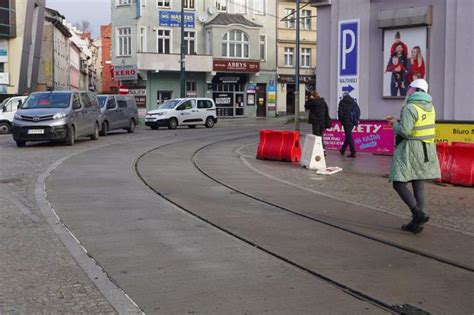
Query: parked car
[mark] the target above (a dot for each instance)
(183, 111)
(118, 112)
(9, 107)
(57, 116)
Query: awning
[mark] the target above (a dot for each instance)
(405, 17)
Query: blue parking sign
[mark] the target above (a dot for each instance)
(348, 47)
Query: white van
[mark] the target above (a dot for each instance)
(183, 111)
(9, 107)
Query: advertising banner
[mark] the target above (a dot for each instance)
(173, 19)
(404, 59)
(125, 73)
(370, 136)
(455, 132)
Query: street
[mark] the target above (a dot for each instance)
(188, 221)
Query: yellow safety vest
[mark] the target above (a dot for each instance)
(424, 128)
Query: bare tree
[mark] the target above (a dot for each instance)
(84, 26)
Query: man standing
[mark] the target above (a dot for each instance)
(349, 115)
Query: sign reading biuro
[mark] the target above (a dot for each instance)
(173, 19)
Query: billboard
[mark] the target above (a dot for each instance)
(404, 54)
(173, 19)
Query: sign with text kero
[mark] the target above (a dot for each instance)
(125, 73)
(348, 59)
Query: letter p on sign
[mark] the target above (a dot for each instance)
(348, 47)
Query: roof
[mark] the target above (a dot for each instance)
(228, 19)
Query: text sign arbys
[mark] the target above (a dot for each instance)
(236, 66)
(125, 73)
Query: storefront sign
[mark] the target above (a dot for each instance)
(348, 61)
(173, 19)
(271, 97)
(455, 132)
(371, 136)
(251, 88)
(291, 79)
(224, 103)
(125, 73)
(236, 66)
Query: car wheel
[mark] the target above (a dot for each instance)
(5, 128)
(173, 123)
(209, 122)
(95, 135)
(71, 136)
(192, 126)
(131, 126)
(154, 127)
(105, 129)
(20, 143)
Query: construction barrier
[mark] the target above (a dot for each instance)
(313, 153)
(456, 163)
(279, 145)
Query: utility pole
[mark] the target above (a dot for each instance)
(297, 74)
(183, 54)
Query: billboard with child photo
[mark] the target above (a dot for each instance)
(404, 59)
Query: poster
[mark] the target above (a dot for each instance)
(458, 131)
(404, 54)
(370, 136)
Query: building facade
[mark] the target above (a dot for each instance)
(228, 48)
(21, 34)
(108, 84)
(376, 48)
(54, 62)
(286, 51)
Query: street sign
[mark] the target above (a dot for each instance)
(348, 59)
(173, 19)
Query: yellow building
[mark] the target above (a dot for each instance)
(286, 51)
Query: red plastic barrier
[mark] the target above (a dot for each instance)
(462, 171)
(445, 161)
(279, 145)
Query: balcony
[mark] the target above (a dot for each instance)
(170, 62)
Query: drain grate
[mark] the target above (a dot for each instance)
(10, 180)
(407, 309)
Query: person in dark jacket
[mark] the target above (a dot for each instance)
(349, 114)
(318, 113)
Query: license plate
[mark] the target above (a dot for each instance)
(36, 131)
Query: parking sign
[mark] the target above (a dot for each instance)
(348, 59)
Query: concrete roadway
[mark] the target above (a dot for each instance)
(169, 261)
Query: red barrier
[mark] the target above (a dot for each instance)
(445, 161)
(462, 171)
(279, 145)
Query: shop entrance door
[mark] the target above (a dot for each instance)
(290, 99)
(261, 100)
(239, 104)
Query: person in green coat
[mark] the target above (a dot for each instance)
(415, 160)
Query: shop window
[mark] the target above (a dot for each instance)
(235, 44)
(191, 89)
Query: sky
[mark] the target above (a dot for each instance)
(97, 12)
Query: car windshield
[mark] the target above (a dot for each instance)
(102, 100)
(47, 100)
(169, 104)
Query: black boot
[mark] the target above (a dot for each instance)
(415, 226)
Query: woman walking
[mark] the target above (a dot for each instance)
(415, 160)
(318, 113)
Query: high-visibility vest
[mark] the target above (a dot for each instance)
(424, 128)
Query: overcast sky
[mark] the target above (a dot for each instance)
(97, 12)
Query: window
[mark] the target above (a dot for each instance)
(111, 103)
(165, 4)
(289, 52)
(305, 19)
(86, 100)
(240, 6)
(124, 40)
(142, 39)
(190, 42)
(189, 4)
(263, 47)
(164, 41)
(235, 44)
(221, 5)
(259, 7)
(76, 101)
(187, 105)
(191, 89)
(306, 57)
(290, 18)
(2, 67)
(122, 103)
(204, 104)
(123, 2)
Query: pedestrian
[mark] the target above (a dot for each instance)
(349, 115)
(318, 115)
(415, 160)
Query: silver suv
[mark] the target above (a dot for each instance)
(57, 116)
(118, 112)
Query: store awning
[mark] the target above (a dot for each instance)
(405, 17)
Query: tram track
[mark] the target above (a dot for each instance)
(397, 309)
